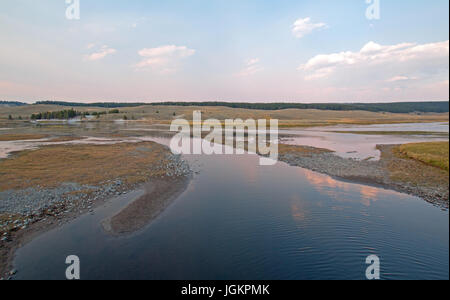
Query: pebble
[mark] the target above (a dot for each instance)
(368, 170)
(38, 204)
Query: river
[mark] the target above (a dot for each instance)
(239, 220)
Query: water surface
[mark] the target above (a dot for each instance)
(362, 146)
(239, 220)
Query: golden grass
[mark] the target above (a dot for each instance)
(21, 137)
(62, 139)
(84, 164)
(288, 117)
(434, 153)
(294, 149)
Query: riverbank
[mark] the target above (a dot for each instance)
(45, 188)
(392, 171)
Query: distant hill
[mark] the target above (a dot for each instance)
(11, 103)
(400, 107)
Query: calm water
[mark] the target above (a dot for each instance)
(238, 220)
(361, 146)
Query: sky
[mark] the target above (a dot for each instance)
(224, 50)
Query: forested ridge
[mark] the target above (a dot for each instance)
(400, 107)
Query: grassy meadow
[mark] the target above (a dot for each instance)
(287, 117)
(434, 153)
(84, 164)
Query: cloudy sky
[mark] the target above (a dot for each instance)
(224, 50)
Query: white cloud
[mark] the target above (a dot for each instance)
(100, 53)
(384, 63)
(302, 27)
(164, 58)
(252, 66)
(400, 78)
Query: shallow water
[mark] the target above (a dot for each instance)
(8, 147)
(430, 127)
(239, 220)
(356, 146)
(361, 146)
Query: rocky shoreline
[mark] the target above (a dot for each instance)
(430, 185)
(29, 212)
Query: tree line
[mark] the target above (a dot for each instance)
(399, 107)
(69, 114)
(56, 115)
(12, 103)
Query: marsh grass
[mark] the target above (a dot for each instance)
(21, 137)
(289, 118)
(84, 164)
(62, 139)
(434, 153)
(286, 149)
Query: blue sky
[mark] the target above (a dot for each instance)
(228, 50)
